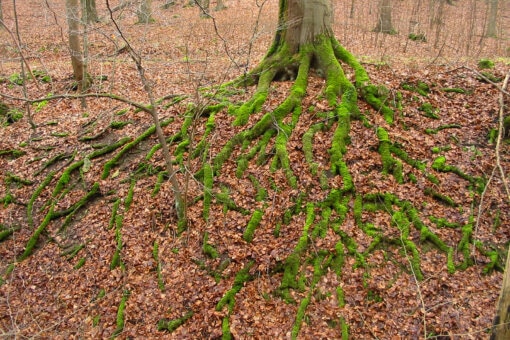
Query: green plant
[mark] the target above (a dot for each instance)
(11, 116)
(485, 64)
(420, 37)
(16, 79)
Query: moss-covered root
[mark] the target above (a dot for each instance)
(172, 325)
(369, 92)
(121, 314)
(229, 298)
(320, 263)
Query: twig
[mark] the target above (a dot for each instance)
(142, 107)
(501, 89)
(180, 201)
(500, 133)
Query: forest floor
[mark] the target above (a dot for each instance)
(109, 261)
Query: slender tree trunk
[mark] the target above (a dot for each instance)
(501, 328)
(73, 23)
(91, 11)
(220, 5)
(493, 18)
(168, 4)
(304, 21)
(384, 24)
(439, 22)
(1, 15)
(144, 12)
(203, 8)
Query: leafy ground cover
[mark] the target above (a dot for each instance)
(405, 239)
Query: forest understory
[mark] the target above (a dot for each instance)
(319, 226)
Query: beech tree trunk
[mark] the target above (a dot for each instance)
(1, 14)
(91, 11)
(302, 21)
(501, 328)
(384, 23)
(492, 20)
(73, 23)
(144, 12)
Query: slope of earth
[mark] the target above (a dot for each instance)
(91, 197)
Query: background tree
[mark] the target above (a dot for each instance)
(144, 12)
(75, 49)
(492, 20)
(90, 11)
(385, 24)
(315, 198)
(1, 14)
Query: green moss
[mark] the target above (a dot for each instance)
(420, 37)
(429, 110)
(115, 208)
(35, 236)
(371, 94)
(338, 260)
(389, 163)
(252, 225)
(340, 295)
(10, 116)
(209, 249)
(321, 228)
(66, 177)
(155, 255)
(463, 246)
(339, 142)
(228, 204)
(261, 191)
(5, 233)
(418, 87)
(80, 263)
(116, 260)
(308, 145)
(488, 77)
(159, 181)
(118, 125)
(72, 251)
(208, 184)
(172, 325)
(445, 199)
(128, 147)
(442, 127)
(485, 64)
(414, 259)
(226, 151)
(444, 223)
(282, 155)
(121, 314)
(454, 90)
(129, 198)
(13, 153)
(155, 251)
(254, 105)
(241, 277)
(225, 329)
(397, 151)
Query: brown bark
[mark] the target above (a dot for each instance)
(73, 23)
(501, 328)
(304, 21)
(220, 5)
(91, 11)
(492, 20)
(144, 12)
(384, 24)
